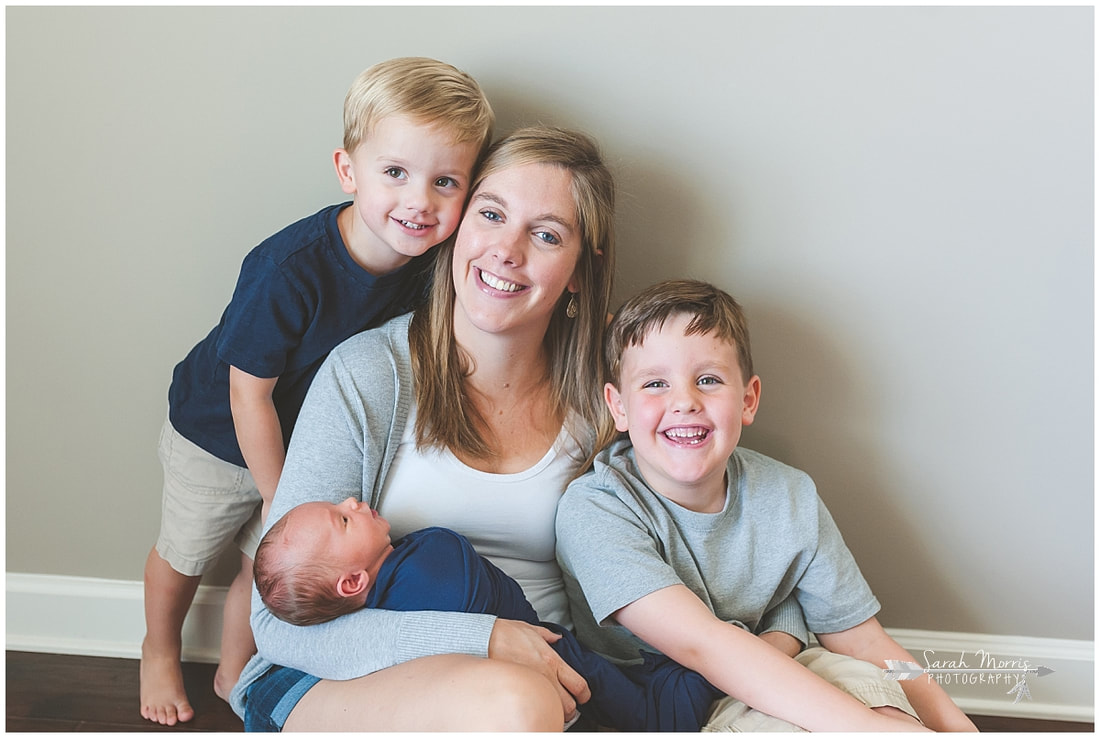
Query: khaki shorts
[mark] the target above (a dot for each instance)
(861, 679)
(207, 505)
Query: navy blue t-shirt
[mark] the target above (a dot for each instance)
(299, 294)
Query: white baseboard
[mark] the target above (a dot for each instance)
(104, 617)
(100, 617)
(1065, 694)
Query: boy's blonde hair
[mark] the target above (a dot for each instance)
(428, 91)
(445, 414)
(711, 311)
(298, 588)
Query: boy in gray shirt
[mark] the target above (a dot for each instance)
(705, 539)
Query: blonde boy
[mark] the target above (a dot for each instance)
(699, 539)
(414, 129)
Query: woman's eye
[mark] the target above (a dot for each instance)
(549, 238)
(491, 215)
(395, 172)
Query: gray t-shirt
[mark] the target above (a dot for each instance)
(618, 541)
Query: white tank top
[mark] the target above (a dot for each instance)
(509, 518)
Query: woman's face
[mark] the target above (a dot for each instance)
(516, 251)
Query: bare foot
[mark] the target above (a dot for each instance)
(224, 682)
(163, 698)
(238, 645)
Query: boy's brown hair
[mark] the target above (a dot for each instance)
(712, 311)
(430, 92)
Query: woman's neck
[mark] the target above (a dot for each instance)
(504, 363)
(510, 387)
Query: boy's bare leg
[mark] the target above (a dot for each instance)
(896, 713)
(238, 645)
(168, 596)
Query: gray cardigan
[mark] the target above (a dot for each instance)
(343, 445)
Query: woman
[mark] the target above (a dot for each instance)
(502, 413)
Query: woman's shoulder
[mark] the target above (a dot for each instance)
(390, 338)
(374, 365)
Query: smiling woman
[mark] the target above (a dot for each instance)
(473, 414)
(521, 251)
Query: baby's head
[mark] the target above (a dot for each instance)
(319, 560)
(427, 91)
(682, 384)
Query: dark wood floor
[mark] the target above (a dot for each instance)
(52, 693)
(48, 692)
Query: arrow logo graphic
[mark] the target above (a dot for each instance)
(906, 670)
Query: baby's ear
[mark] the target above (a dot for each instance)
(352, 584)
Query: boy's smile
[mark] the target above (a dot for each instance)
(683, 401)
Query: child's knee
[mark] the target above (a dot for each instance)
(896, 713)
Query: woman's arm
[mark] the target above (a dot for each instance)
(677, 623)
(869, 642)
(366, 641)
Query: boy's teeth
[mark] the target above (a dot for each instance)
(414, 226)
(498, 284)
(692, 435)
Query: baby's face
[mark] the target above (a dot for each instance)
(683, 401)
(350, 531)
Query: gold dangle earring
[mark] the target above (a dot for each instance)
(571, 308)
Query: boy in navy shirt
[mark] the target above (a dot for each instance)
(414, 129)
(322, 560)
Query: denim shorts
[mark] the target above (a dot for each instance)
(269, 699)
(208, 504)
(861, 679)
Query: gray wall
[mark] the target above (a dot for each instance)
(901, 197)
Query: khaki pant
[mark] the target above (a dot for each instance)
(207, 505)
(862, 680)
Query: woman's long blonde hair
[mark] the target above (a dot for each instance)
(446, 416)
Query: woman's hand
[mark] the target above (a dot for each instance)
(528, 645)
